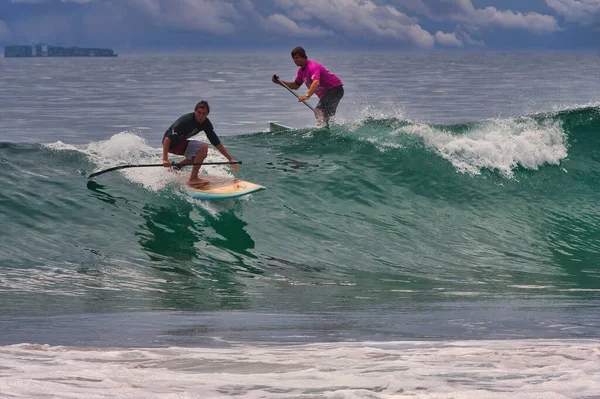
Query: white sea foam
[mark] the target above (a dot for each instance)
(364, 113)
(129, 148)
(59, 145)
(531, 287)
(451, 369)
(499, 144)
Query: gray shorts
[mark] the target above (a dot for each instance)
(329, 102)
(192, 148)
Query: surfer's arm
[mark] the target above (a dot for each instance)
(223, 151)
(292, 85)
(314, 86)
(166, 145)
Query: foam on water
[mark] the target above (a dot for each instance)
(453, 369)
(129, 148)
(498, 144)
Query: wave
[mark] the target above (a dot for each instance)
(476, 209)
(550, 148)
(504, 146)
(508, 148)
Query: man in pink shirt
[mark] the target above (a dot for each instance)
(320, 81)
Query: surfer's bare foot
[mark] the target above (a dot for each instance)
(197, 182)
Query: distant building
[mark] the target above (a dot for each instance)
(44, 50)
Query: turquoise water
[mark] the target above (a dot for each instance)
(384, 234)
(386, 214)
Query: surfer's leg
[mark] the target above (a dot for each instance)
(200, 150)
(329, 103)
(320, 117)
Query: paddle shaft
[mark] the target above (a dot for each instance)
(294, 93)
(151, 165)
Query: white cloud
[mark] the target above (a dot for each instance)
(283, 25)
(448, 39)
(490, 17)
(357, 20)
(470, 41)
(473, 19)
(196, 15)
(585, 12)
(361, 22)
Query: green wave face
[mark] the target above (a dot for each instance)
(394, 210)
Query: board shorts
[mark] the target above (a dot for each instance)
(329, 102)
(187, 148)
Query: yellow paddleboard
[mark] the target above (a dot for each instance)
(220, 187)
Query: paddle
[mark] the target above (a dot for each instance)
(149, 165)
(293, 92)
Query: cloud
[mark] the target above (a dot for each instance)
(470, 41)
(448, 39)
(489, 17)
(281, 24)
(5, 33)
(358, 23)
(357, 20)
(473, 19)
(584, 12)
(216, 17)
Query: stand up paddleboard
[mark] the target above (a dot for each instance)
(219, 187)
(276, 127)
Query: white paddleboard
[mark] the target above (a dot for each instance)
(220, 187)
(276, 127)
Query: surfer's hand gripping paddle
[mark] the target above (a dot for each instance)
(277, 80)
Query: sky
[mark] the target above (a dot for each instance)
(131, 26)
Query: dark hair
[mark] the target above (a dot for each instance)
(299, 51)
(203, 104)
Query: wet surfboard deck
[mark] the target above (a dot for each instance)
(220, 187)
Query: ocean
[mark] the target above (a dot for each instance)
(440, 240)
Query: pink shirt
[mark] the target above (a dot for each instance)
(315, 71)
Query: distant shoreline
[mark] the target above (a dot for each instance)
(37, 50)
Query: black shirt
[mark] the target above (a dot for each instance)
(187, 126)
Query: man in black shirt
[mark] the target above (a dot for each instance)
(175, 141)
